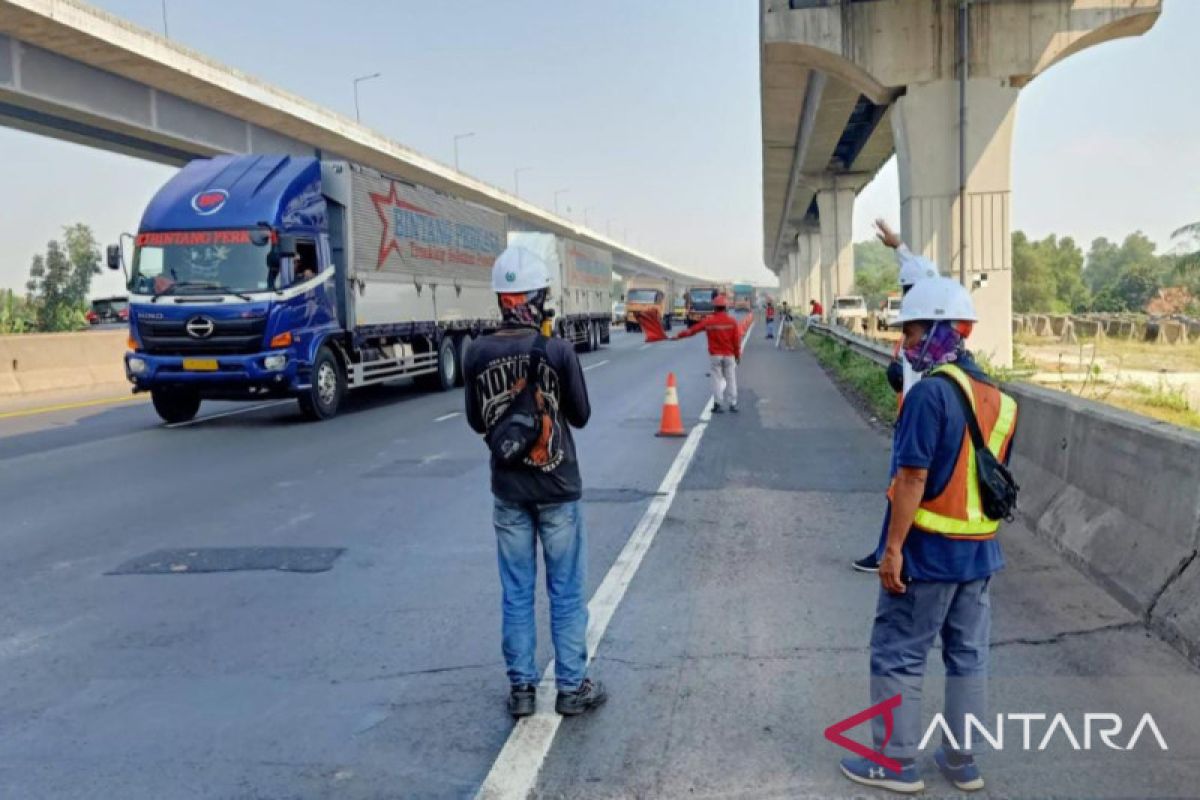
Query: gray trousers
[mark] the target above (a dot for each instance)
(723, 370)
(906, 626)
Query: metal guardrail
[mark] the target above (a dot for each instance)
(866, 348)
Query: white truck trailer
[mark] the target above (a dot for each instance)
(580, 286)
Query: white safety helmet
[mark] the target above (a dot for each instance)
(915, 268)
(517, 270)
(937, 299)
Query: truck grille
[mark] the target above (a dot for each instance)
(229, 337)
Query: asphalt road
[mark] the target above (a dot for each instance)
(741, 637)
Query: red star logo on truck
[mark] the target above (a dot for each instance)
(387, 242)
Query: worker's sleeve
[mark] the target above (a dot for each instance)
(904, 255)
(473, 411)
(692, 331)
(920, 427)
(576, 406)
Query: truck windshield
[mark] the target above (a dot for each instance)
(641, 296)
(179, 262)
(851, 302)
(701, 299)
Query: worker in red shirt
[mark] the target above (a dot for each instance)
(724, 352)
(815, 312)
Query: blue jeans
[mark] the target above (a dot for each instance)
(564, 549)
(905, 628)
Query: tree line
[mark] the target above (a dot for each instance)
(1055, 275)
(60, 281)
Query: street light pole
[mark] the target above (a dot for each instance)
(556, 194)
(458, 136)
(357, 81)
(517, 179)
(166, 30)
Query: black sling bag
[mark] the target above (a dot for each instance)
(517, 430)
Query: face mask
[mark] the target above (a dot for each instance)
(523, 309)
(941, 344)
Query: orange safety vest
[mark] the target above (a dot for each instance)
(958, 512)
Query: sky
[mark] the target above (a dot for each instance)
(647, 114)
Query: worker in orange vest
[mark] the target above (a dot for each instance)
(938, 550)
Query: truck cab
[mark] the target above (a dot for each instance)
(700, 302)
(232, 289)
(850, 311)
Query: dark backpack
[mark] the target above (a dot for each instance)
(525, 427)
(997, 488)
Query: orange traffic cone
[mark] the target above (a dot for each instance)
(672, 422)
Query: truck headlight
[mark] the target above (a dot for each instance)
(274, 363)
(137, 366)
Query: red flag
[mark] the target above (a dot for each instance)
(651, 326)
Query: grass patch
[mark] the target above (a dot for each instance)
(865, 377)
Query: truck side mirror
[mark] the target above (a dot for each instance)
(287, 246)
(114, 257)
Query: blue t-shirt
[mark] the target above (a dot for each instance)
(929, 435)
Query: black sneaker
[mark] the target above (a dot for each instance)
(717, 409)
(868, 564)
(589, 695)
(733, 409)
(522, 701)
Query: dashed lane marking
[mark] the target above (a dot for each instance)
(597, 364)
(451, 415)
(211, 417)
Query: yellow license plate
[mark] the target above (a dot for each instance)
(200, 364)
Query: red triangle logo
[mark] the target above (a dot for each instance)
(834, 733)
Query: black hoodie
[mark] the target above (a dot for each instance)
(494, 363)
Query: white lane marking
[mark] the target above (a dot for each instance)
(516, 768)
(597, 364)
(643, 347)
(245, 410)
(451, 415)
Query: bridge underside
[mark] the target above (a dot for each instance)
(75, 73)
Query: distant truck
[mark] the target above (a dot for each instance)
(580, 287)
(700, 301)
(850, 311)
(643, 294)
(891, 312)
(108, 309)
(266, 276)
(744, 297)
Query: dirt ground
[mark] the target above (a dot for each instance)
(1158, 380)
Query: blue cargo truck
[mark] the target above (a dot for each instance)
(266, 276)
(275, 276)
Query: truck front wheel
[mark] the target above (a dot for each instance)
(326, 387)
(174, 405)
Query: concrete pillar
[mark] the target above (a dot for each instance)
(808, 268)
(925, 129)
(787, 280)
(835, 206)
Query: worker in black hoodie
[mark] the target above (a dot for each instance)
(538, 496)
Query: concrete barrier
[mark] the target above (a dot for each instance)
(1172, 332)
(1089, 327)
(1119, 495)
(41, 362)
(1040, 324)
